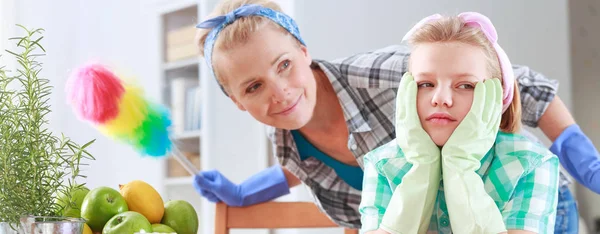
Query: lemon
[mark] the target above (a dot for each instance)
(87, 229)
(141, 197)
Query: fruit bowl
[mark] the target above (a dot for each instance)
(43, 224)
(136, 207)
(156, 233)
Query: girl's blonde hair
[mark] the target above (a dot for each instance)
(240, 30)
(453, 29)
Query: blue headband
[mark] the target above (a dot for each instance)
(218, 23)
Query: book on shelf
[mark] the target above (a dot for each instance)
(179, 101)
(181, 52)
(180, 43)
(181, 35)
(193, 106)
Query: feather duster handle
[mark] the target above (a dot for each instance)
(120, 111)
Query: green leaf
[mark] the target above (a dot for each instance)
(35, 164)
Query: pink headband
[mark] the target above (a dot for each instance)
(478, 20)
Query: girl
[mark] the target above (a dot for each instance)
(457, 164)
(323, 116)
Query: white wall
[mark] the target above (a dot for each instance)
(7, 28)
(117, 32)
(585, 38)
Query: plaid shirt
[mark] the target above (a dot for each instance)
(366, 85)
(519, 175)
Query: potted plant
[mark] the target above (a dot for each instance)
(36, 166)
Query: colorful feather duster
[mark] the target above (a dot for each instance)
(120, 111)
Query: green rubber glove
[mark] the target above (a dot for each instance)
(411, 205)
(470, 208)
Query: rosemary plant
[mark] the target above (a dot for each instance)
(35, 164)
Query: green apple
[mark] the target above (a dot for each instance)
(161, 228)
(72, 205)
(181, 216)
(101, 204)
(128, 222)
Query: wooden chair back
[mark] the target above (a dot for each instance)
(272, 215)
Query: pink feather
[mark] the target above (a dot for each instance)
(95, 92)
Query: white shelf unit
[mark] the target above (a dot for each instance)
(179, 70)
(228, 140)
(175, 65)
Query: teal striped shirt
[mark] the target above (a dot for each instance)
(519, 175)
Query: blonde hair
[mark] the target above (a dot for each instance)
(453, 29)
(240, 30)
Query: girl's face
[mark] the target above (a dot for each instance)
(446, 74)
(270, 77)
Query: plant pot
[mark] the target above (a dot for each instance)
(6, 229)
(51, 225)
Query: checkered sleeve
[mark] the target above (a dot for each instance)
(376, 195)
(382, 68)
(536, 93)
(533, 205)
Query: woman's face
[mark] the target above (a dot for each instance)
(270, 77)
(446, 75)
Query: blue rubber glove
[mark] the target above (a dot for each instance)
(578, 156)
(264, 186)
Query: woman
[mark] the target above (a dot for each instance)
(323, 115)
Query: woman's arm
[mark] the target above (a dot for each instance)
(555, 119)
(542, 108)
(292, 180)
(382, 68)
(536, 91)
(576, 152)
